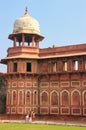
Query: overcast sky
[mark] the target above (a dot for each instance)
(62, 22)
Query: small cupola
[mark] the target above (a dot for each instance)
(26, 29)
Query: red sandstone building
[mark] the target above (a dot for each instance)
(49, 80)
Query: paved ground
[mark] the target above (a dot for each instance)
(73, 123)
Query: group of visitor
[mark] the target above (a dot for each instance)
(30, 116)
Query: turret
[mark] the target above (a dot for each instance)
(26, 30)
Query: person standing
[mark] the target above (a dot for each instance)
(30, 117)
(33, 115)
(27, 118)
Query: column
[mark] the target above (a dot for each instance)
(38, 44)
(33, 41)
(23, 39)
(14, 42)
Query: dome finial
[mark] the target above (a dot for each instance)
(26, 11)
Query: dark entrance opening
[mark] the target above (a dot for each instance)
(28, 67)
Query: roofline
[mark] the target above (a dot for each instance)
(44, 57)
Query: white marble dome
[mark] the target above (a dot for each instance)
(26, 24)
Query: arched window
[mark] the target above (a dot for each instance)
(21, 98)
(75, 98)
(44, 98)
(14, 99)
(65, 98)
(35, 98)
(8, 98)
(84, 99)
(54, 98)
(28, 98)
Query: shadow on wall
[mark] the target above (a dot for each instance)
(2, 95)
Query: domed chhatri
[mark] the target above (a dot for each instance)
(26, 24)
(26, 29)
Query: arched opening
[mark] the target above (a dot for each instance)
(44, 98)
(76, 98)
(54, 99)
(65, 98)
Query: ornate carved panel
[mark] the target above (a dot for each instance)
(54, 84)
(64, 84)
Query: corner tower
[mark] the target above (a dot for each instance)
(22, 68)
